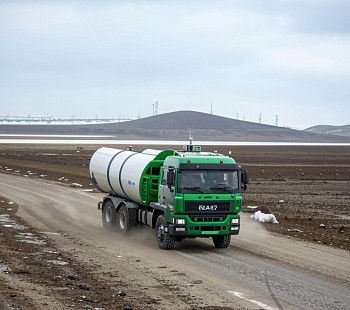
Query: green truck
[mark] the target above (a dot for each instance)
(180, 194)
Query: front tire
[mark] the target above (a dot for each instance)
(109, 216)
(222, 241)
(164, 239)
(125, 225)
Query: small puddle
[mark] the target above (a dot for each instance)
(48, 154)
(29, 238)
(8, 223)
(4, 268)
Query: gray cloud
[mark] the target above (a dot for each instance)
(274, 57)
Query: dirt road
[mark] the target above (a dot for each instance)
(313, 182)
(82, 266)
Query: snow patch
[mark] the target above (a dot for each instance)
(29, 238)
(4, 268)
(264, 218)
(8, 223)
(76, 185)
(57, 262)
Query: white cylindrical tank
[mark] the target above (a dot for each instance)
(119, 172)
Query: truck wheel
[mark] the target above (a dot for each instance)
(164, 239)
(109, 216)
(222, 241)
(125, 225)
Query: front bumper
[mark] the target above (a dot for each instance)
(196, 229)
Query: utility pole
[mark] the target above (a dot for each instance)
(260, 114)
(276, 120)
(237, 115)
(211, 108)
(156, 108)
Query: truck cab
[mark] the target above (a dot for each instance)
(202, 194)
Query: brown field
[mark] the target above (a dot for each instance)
(306, 187)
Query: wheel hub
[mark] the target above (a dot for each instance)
(160, 233)
(122, 220)
(108, 215)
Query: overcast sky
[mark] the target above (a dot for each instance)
(289, 58)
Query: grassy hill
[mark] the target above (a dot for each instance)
(331, 130)
(177, 126)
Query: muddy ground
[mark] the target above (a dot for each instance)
(30, 260)
(307, 188)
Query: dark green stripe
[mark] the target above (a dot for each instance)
(109, 166)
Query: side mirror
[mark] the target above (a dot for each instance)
(245, 176)
(170, 178)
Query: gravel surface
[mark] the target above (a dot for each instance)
(62, 258)
(312, 182)
(68, 255)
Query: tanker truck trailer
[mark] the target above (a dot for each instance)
(180, 194)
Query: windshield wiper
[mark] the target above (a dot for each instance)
(223, 186)
(194, 188)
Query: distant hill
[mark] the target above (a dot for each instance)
(331, 130)
(177, 126)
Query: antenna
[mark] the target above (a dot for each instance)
(190, 137)
(191, 148)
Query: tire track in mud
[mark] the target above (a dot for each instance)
(278, 304)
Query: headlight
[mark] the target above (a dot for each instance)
(234, 221)
(180, 221)
(235, 228)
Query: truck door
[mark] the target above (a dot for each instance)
(162, 186)
(168, 187)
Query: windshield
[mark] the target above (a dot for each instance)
(207, 182)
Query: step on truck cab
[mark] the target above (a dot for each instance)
(180, 194)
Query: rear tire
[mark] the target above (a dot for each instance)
(125, 225)
(109, 216)
(222, 241)
(164, 239)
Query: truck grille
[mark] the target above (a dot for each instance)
(208, 228)
(207, 207)
(208, 218)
